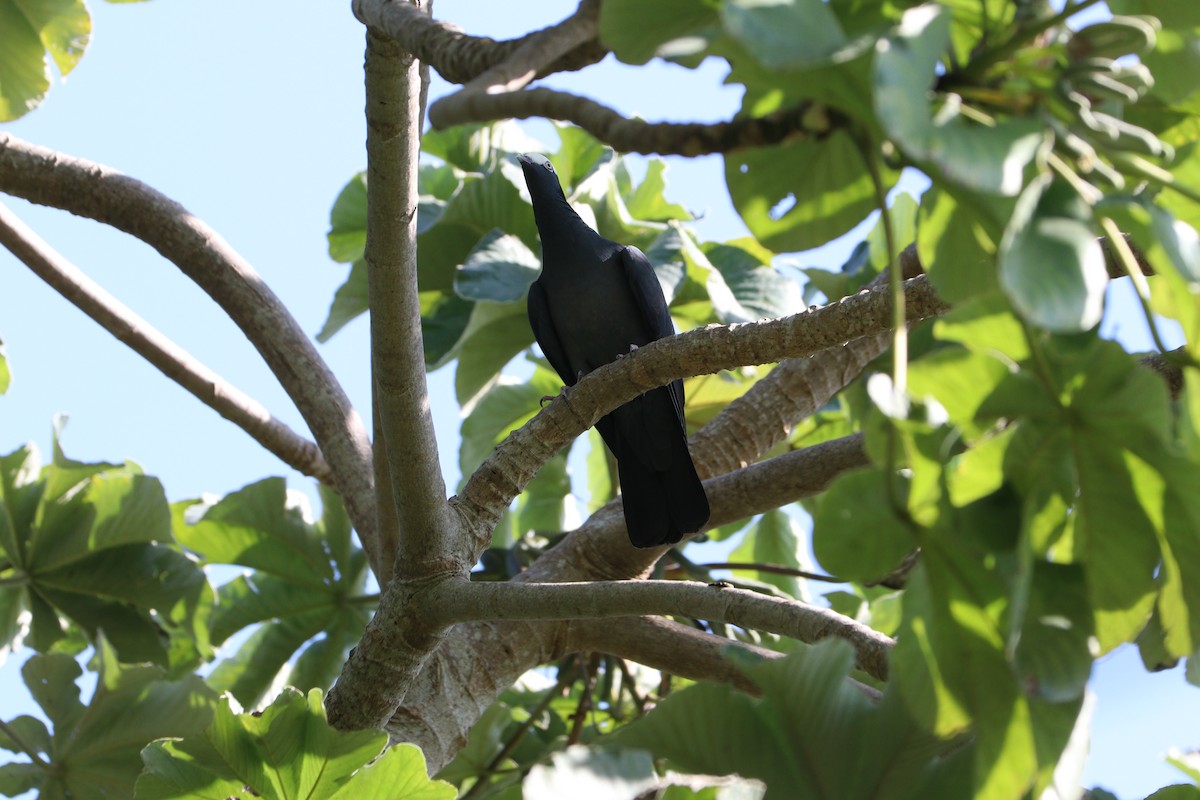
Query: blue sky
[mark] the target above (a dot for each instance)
(250, 114)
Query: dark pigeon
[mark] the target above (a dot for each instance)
(595, 301)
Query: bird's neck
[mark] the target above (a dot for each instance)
(559, 227)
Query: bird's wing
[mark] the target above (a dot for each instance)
(538, 306)
(648, 294)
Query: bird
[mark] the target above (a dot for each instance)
(595, 301)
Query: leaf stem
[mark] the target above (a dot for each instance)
(899, 321)
(28, 750)
(1129, 264)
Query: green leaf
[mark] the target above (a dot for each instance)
(856, 536)
(950, 657)
(759, 290)
(985, 325)
(1050, 264)
(398, 773)
(495, 333)
(28, 32)
(543, 506)
(1175, 56)
(93, 751)
(601, 472)
(444, 318)
(479, 147)
(348, 221)
(455, 211)
(810, 732)
(93, 542)
(579, 153)
(961, 381)
(309, 580)
(287, 751)
(1186, 762)
(976, 157)
(349, 301)
(776, 539)
(1179, 791)
(504, 408)
(499, 269)
(1087, 472)
(804, 193)
(647, 201)
(784, 34)
(257, 527)
(636, 31)
(955, 249)
(5, 374)
(1052, 655)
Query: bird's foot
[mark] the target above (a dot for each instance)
(632, 349)
(547, 398)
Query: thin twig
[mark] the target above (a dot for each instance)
(169, 358)
(773, 569)
(494, 765)
(587, 665)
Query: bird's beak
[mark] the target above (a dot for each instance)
(524, 159)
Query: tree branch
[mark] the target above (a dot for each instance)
(598, 549)
(638, 136)
(456, 56)
(536, 52)
(750, 426)
(674, 648)
(460, 600)
(91, 190)
(666, 645)
(393, 90)
(169, 358)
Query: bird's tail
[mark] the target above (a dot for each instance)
(662, 505)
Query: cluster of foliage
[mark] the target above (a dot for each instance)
(1044, 476)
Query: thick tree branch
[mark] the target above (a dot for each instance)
(666, 645)
(456, 56)
(671, 647)
(393, 90)
(537, 51)
(91, 190)
(638, 136)
(598, 549)
(458, 600)
(169, 358)
(504, 474)
(751, 425)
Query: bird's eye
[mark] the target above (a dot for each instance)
(549, 166)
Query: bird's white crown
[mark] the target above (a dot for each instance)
(539, 159)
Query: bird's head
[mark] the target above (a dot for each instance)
(540, 176)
